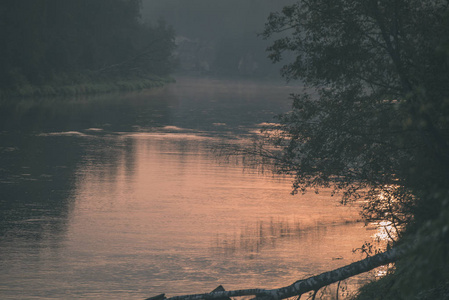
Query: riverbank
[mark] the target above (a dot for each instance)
(85, 84)
(387, 288)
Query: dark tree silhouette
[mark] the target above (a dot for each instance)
(47, 40)
(373, 120)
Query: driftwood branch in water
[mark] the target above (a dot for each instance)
(300, 287)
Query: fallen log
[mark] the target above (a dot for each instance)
(302, 286)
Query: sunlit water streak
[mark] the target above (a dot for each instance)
(152, 210)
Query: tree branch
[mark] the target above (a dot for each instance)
(300, 287)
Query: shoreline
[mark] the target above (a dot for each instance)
(86, 86)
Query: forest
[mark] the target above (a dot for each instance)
(219, 38)
(58, 47)
(55, 43)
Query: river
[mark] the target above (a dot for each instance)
(119, 196)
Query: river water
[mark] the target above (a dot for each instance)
(120, 197)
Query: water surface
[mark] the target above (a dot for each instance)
(120, 197)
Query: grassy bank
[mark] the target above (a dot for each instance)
(387, 288)
(83, 84)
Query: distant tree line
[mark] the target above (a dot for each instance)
(219, 37)
(46, 39)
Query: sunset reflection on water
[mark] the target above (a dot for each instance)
(168, 210)
(122, 197)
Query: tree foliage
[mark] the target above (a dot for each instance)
(373, 120)
(44, 39)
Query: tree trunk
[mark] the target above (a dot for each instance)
(300, 287)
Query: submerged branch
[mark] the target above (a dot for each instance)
(300, 287)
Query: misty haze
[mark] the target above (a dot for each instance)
(156, 149)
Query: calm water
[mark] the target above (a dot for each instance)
(120, 197)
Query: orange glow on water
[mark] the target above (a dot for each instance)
(167, 202)
(132, 203)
